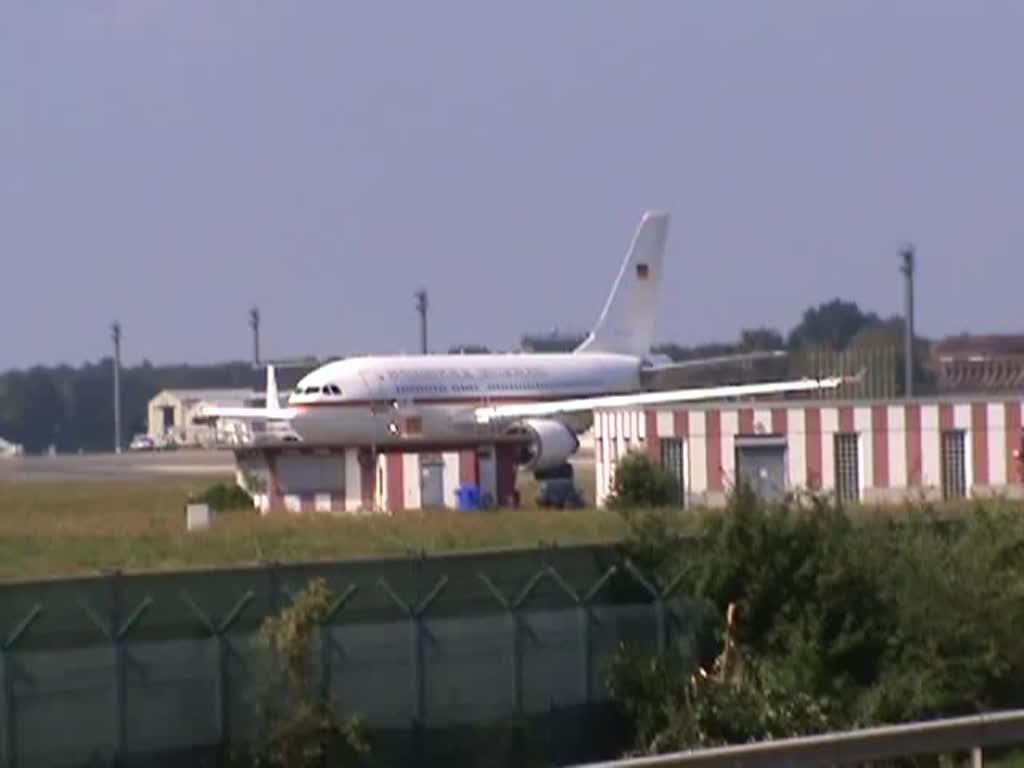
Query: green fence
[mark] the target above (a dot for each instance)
(432, 652)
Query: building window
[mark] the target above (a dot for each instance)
(672, 460)
(847, 469)
(954, 465)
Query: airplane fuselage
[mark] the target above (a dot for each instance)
(394, 399)
(545, 400)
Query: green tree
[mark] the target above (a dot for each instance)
(761, 339)
(832, 324)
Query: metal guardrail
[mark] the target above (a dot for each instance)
(934, 737)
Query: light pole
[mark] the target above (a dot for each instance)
(254, 323)
(421, 307)
(907, 268)
(115, 335)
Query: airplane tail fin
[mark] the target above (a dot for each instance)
(626, 324)
(273, 399)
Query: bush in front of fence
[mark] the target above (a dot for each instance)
(842, 619)
(299, 724)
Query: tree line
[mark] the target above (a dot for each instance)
(72, 408)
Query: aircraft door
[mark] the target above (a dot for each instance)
(376, 386)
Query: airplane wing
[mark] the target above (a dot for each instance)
(703, 362)
(487, 414)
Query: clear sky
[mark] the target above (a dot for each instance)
(171, 163)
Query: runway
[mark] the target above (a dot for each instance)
(141, 465)
(146, 465)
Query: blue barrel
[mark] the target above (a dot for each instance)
(467, 497)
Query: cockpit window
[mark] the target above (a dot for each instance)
(326, 389)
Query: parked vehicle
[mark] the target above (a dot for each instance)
(142, 443)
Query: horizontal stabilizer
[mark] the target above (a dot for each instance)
(498, 412)
(213, 413)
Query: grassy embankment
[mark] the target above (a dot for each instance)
(72, 528)
(55, 529)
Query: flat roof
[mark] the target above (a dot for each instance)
(192, 395)
(949, 398)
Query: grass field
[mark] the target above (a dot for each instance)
(55, 529)
(72, 527)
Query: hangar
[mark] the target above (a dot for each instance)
(874, 451)
(170, 415)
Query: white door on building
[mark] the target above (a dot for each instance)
(431, 482)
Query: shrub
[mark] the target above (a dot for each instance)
(842, 622)
(641, 483)
(224, 496)
(300, 727)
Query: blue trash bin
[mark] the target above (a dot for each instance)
(467, 497)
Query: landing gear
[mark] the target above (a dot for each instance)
(555, 487)
(561, 472)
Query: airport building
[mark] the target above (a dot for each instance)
(282, 477)
(871, 451)
(171, 412)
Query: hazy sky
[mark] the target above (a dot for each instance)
(172, 163)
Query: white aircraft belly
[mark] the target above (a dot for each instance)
(359, 425)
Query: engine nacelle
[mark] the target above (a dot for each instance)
(551, 443)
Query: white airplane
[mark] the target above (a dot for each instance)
(545, 399)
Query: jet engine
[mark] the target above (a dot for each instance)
(550, 445)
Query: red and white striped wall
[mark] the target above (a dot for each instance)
(401, 476)
(899, 445)
(350, 479)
